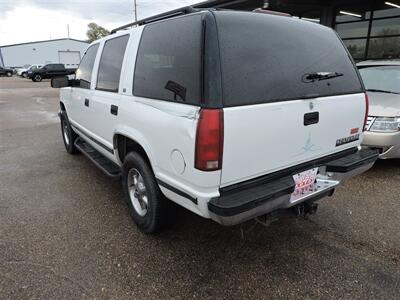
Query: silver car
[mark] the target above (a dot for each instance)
(382, 81)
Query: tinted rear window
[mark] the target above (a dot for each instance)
(168, 65)
(264, 59)
(55, 67)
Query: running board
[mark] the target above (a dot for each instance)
(107, 166)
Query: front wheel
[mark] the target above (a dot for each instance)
(23, 74)
(68, 135)
(37, 78)
(148, 207)
(9, 74)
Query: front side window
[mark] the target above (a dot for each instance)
(111, 64)
(382, 78)
(84, 72)
(168, 65)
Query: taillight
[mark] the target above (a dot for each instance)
(366, 111)
(209, 140)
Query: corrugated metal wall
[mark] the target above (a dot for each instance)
(39, 52)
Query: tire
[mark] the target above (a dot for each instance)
(158, 212)
(9, 74)
(23, 74)
(37, 78)
(68, 135)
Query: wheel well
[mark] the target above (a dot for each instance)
(125, 145)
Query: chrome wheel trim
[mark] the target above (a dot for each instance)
(38, 77)
(137, 192)
(65, 131)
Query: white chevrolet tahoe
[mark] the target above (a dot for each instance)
(232, 115)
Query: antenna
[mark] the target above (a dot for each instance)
(134, 3)
(68, 30)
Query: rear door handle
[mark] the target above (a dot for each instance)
(311, 118)
(114, 110)
(86, 102)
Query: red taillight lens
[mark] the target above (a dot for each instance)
(209, 140)
(366, 111)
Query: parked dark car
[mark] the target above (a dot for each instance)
(6, 72)
(49, 71)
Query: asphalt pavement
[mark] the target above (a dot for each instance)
(66, 233)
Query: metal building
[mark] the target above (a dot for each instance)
(65, 51)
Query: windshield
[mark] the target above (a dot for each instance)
(384, 78)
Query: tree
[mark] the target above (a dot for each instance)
(96, 32)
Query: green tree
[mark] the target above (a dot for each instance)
(96, 32)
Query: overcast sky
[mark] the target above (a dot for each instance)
(32, 20)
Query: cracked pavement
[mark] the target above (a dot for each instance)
(65, 231)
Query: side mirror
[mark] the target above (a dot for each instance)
(60, 82)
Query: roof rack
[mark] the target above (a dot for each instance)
(173, 13)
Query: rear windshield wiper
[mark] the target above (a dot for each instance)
(381, 91)
(318, 76)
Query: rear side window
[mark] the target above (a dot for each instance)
(84, 72)
(168, 65)
(111, 63)
(268, 58)
(55, 67)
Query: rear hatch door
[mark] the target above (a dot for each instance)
(291, 94)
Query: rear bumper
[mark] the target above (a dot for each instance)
(241, 203)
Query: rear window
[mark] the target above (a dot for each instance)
(267, 58)
(168, 65)
(55, 67)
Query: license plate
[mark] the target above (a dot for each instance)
(305, 182)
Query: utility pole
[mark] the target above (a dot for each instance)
(134, 3)
(68, 30)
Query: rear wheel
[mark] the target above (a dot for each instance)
(148, 207)
(68, 135)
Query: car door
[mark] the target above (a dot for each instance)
(79, 106)
(58, 70)
(106, 96)
(48, 71)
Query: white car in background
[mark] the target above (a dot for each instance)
(23, 71)
(382, 81)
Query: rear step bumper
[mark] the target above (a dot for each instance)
(240, 204)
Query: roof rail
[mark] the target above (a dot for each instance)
(169, 14)
(271, 12)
